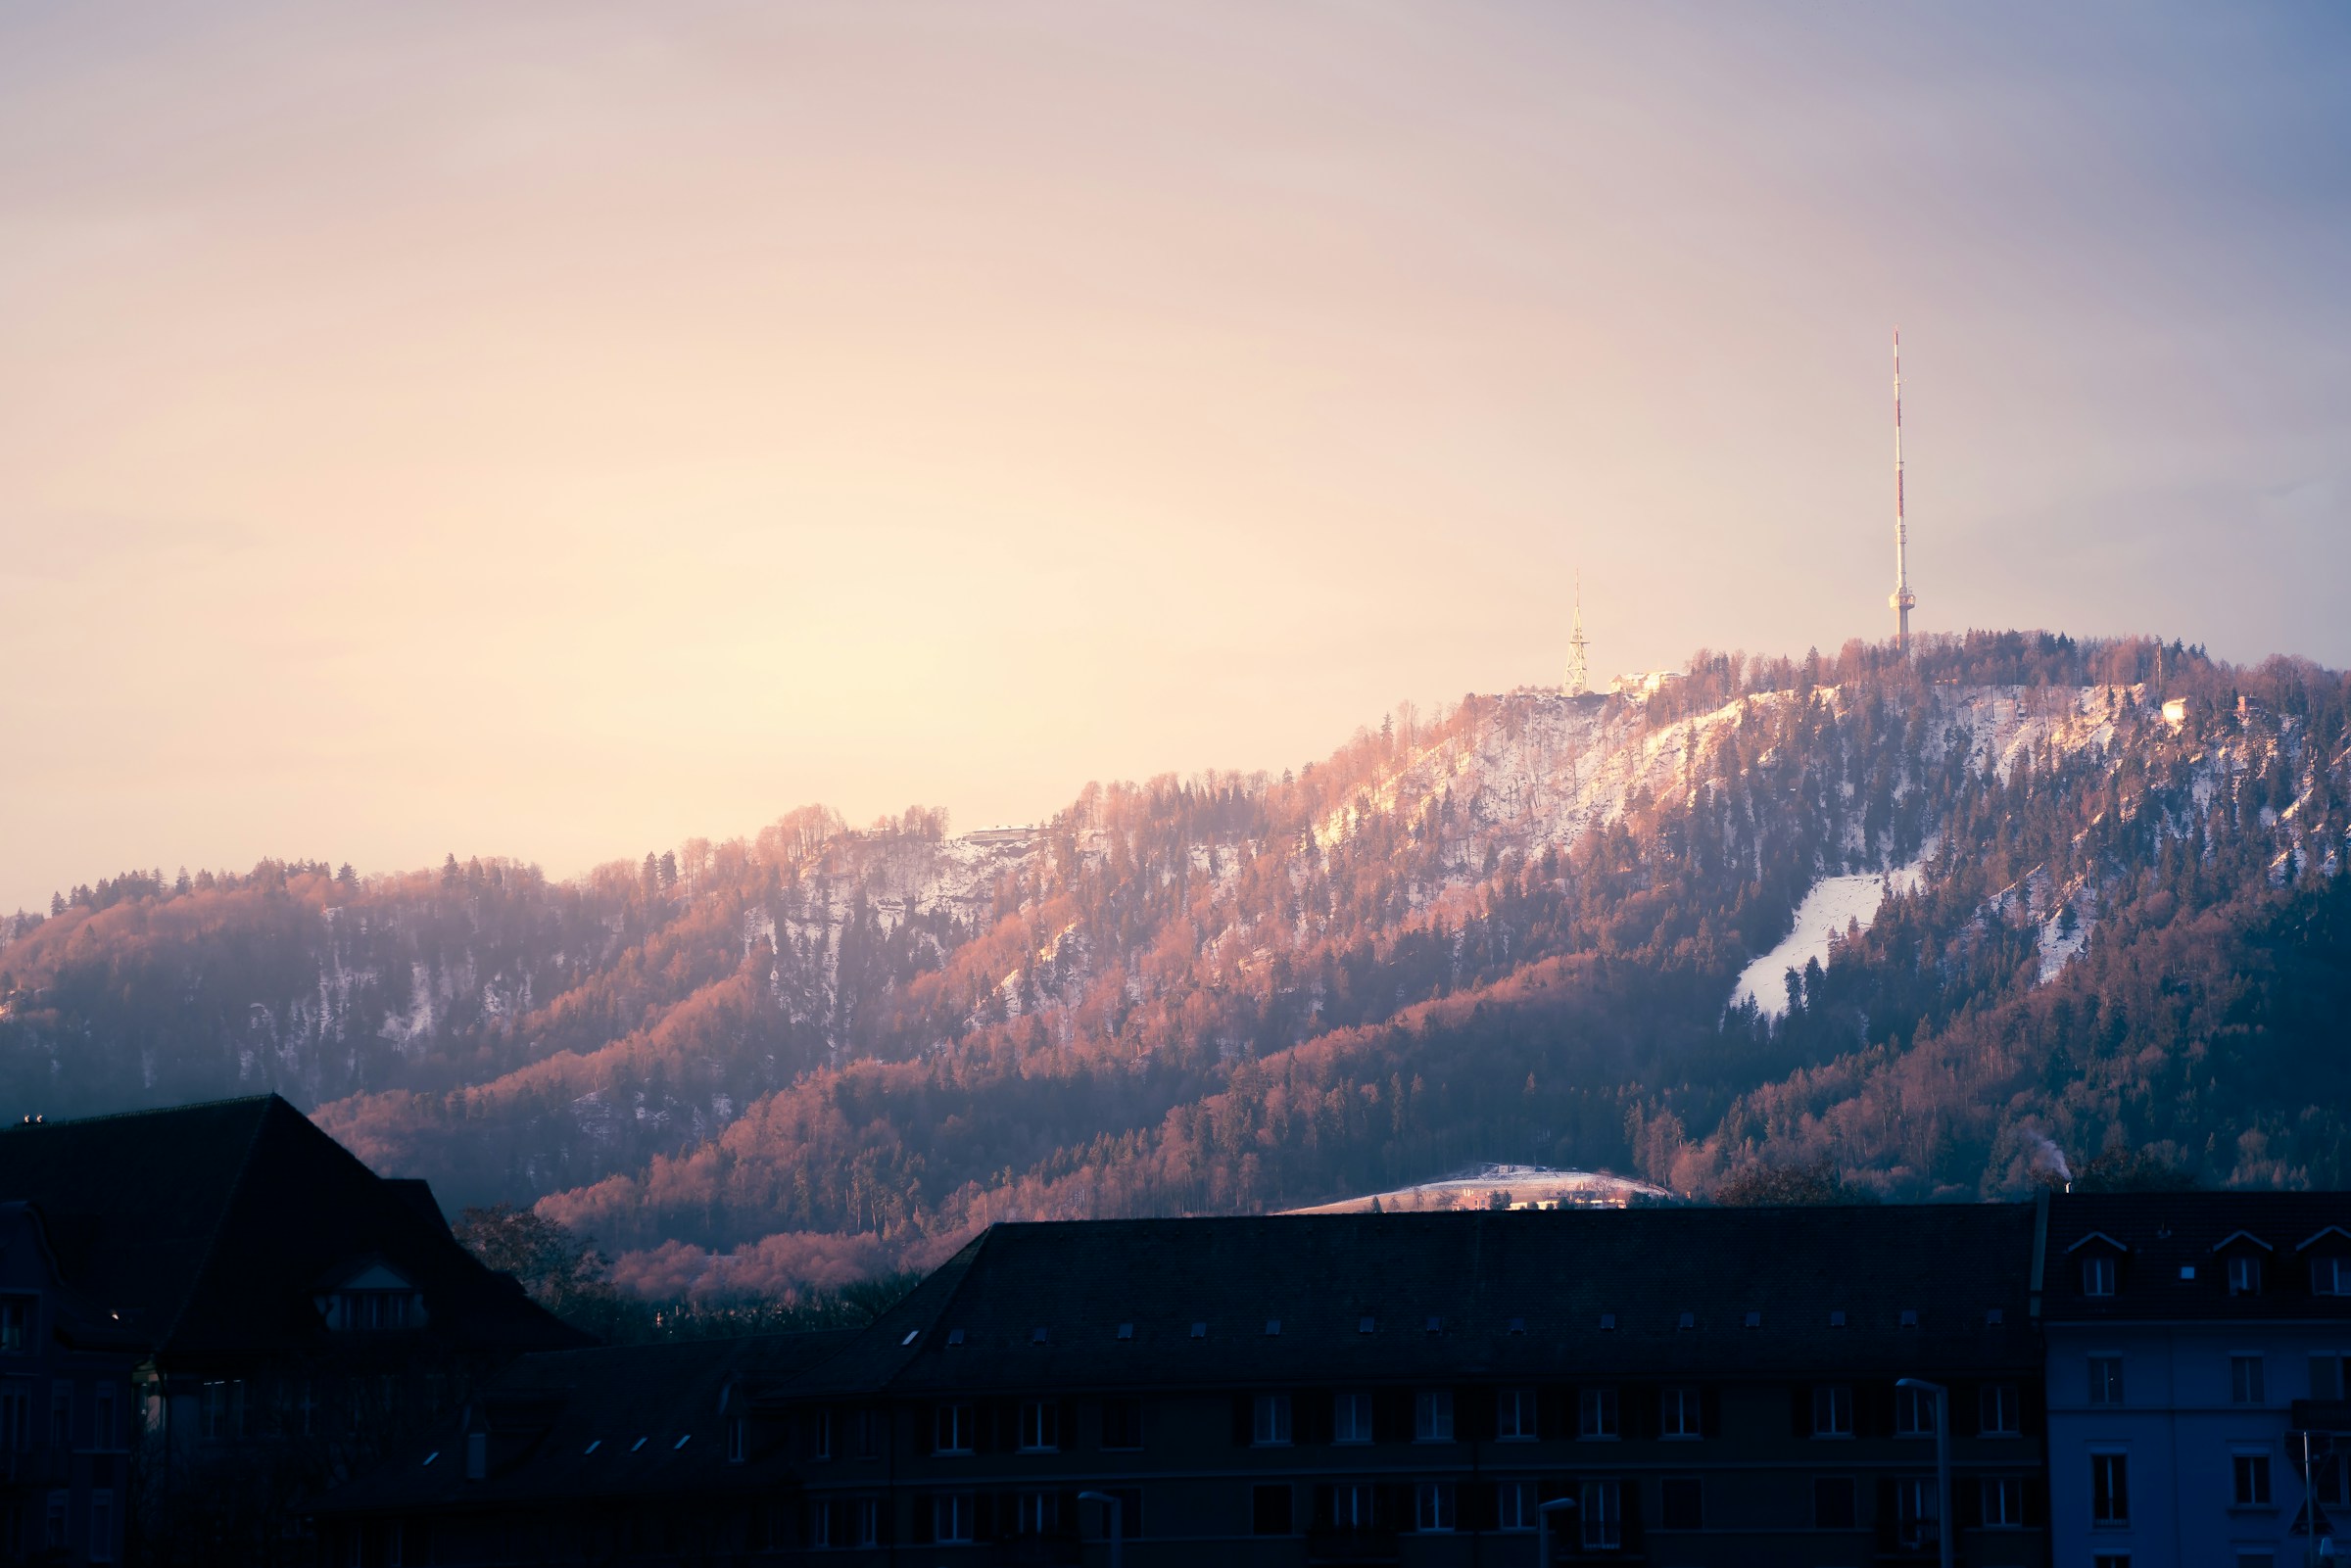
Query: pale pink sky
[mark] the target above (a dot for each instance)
(558, 430)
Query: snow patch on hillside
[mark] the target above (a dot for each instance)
(1834, 905)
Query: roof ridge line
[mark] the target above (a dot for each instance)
(219, 1223)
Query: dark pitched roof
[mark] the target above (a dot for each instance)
(652, 1413)
(210, 1226)
(1525, 1294)
(2164, 1233)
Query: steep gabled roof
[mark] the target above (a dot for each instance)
(2172, 1238)
(212, 1226)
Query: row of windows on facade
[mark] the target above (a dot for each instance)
(1906, 1317)
(54, 1524)
(1600, 1417)
(18, 1431)
(2101, 1274)
(2250, 1472)
(227, 1410)
(2248, 1378)
(1601, 1506)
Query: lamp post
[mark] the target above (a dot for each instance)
(1117, 1509)
(1942, 1462)
(1542, 1513)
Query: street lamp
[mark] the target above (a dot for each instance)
(1942, 1462)
(1116, 1510)
(1542, 1513)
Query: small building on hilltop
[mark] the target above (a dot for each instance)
(294, 1314)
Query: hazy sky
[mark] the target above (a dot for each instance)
(558, 430)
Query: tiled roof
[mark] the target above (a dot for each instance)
(210, 1228)
(628, 1420)
(2162, 1234)
(1530, 1294)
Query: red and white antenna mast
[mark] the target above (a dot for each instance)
(1902, 600)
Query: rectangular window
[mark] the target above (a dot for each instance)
(1514, 1415)
(2098, 1276)
(1599, 1417)
(1122, 1424)
(1678, 1412)
(1432, 1416)
(1832, 1411)
(866, 1515)
(739, 1447)
(824, 1521)
(951, 1517)
(102, 1418)
(2246, 1384)
(1432, 1505)
(1351, 1417)
(1913, 1413)
(2330, 1276)
(16, 1420)
(2244, 1275)
(1040, 1426)
(867, 1427)
(2256, 1559)
(2105, 1380)
(1271, 1510)
(2111, 1559)
(1602, 1510)
(1352, 1505)
(952, 1430)
(1683, 1502)
(16, 1320)
(820, 1435)
(2109, 1489)
(2252, 1477)
(2003, 1501)
(2000, 1411)
(1514, 1505)
(1036, 1513)
(2326, 1377)
(1833, 1502)
(61, 1414)
(1915, 1511)
(1270, 1421)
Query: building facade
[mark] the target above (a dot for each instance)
(2195, 1340)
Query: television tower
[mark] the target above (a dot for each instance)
(1902, 599)
(1579, 675)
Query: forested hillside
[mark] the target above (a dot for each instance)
(1508, 931)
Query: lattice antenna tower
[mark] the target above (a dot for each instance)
(1579, 670)
(1901, 600)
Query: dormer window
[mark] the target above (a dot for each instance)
(377, 1300)
(2330, 1276)
(2098, 1276)
(2244, 1275)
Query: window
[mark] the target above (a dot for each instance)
(1035, 1513)
(952, 1516)
(1679, 1413)
(1040, 1426)
(102, 1524)
(1432, 1416)
(1432, 1505)
(1270, 1424)
(1916, 1515)
(1602, 1510)
(2110, 1489)
(1598, 1418)
(2105, 1380)
(2326, 1380)
(2098, 1276)
(1269, 1510)
(16, 1420)
(2256, 1559)
(866, 1516)
(824, 1525)
(1913, 1413)
(1833, 1502)
(2003, 1502)
(2244, 1275)
(739, 1447)
(1351, 1417)
(2111, 1559)
(866, 1425)
(2329, 1277)
(820, 1435)
(2246, 1385)
(1514, 1505)
(1122, 1424)
(61, 1414)
(53, 1523)
(1684, 1504)
(1354, 1505)
(102, 1418)
(1832, 1411)
(951, 1431)
(2000, 1411)
(2251, 1473)
(1514, 1415)
(16, 1324)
